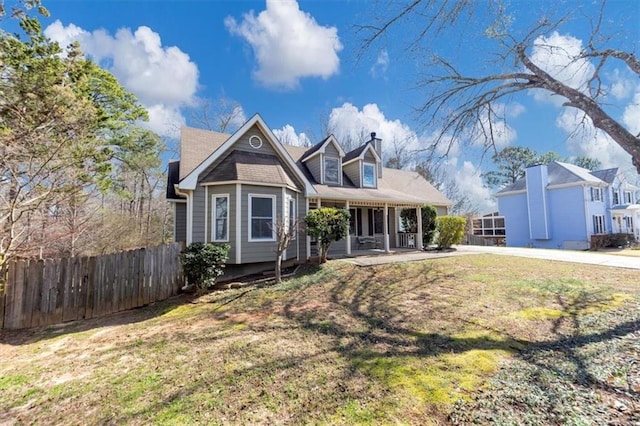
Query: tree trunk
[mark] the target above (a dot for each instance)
(278, 268)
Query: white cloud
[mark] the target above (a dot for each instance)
(470, 183)
(583, 139)
(556, 55)
(287, 135)
(163, 78)
(379, 68)
(495, 126)
(621, 86)
(353, 127)
(631, 115)
(288, 44)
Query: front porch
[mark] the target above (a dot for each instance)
(374, 228)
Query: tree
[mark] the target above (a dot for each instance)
(512, 162)
(410, 222)
(285, 232)
(327, 224)
(588, 163)
(223, 115)
(62, 121)
(466, 107)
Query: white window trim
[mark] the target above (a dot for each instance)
(624, 196)
(291, 215)
(274, 199)
(598, 219)
(214, 218)
(616, 197)
(596, 198)
(324, 165)
(375, 175)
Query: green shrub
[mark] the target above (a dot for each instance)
(327, 224)
(410, 223)
(203, 263)
(450, 230)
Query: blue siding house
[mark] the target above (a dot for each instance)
(562, 205)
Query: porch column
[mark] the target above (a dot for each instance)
(419, 220)
(385, 224)
(308, 237)
(346, 206)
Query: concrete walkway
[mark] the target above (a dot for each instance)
(588, 257)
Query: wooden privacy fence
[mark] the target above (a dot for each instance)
(51, 291)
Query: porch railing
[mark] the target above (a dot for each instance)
(407, 240)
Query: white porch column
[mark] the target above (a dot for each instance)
(346, 206)
(385, 226)
(306, 233)
(419, 220)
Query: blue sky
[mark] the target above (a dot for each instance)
(295, 64)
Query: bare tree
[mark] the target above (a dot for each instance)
(464, 106)
(285, 231)
(222, 115)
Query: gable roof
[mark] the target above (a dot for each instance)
(190, 181)
(250, 167)
(606, 175)
(359, 153)
(558, 174)
(320, 147)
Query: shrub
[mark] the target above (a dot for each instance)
(599, 241)
(203, 263)
(327, 224)
(410, 223)
(450, 230)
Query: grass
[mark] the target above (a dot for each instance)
(466, 339)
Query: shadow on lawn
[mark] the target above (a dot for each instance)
(143, 313)
(374, 327)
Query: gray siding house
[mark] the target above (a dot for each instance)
(230, 188)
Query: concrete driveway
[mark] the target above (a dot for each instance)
(588, 257)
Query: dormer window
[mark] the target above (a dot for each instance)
(331, 170)
(369, 175)
(616, 198)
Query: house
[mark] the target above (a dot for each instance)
(562, 205)
(231, 188)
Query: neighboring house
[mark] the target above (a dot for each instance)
(231, 188)
(563, 205)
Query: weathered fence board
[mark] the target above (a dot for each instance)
(44, 292)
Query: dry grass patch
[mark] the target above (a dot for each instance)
(408, 343)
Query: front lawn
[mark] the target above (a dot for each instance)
(467, 339)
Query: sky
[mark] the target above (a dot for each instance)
(301, 66)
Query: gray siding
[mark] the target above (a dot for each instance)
(257, 251)
(314, 165)
(441, 210)
(243, 143)
(352, 170)
(331, 151)
(369, 158)
(180, 218)
(198, 221)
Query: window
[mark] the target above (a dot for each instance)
(220, 218)
(369, 175)
(376, 221)
(616, 198)
(628, 222)
(291, 215)
(331, 170)
(628, 197)
(261, 213)
(596, 194)
(598, 224)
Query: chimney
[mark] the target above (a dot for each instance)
(377, 145)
